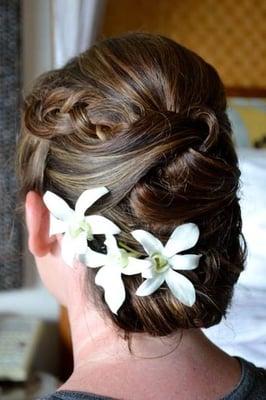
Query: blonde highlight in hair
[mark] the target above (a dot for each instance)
(145, 117)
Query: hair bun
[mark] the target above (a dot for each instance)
(189, 169)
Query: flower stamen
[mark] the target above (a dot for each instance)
(77, 228)
(160, 262)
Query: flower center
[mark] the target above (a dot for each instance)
(77, 227)
(160, 262)
(119, 260)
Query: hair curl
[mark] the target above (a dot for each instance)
(145, 117)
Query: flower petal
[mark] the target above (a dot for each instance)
(185, 262)
(111, 244)
(149, 242)
(135, 266)
(56, 226)
(150, 285)
(114, 290)
(80, 243)
(89, 197)
(149, 272)
(183, 238)
(68, 250)
(101, 225)
(181, 287)
(57, 206)
(93, 259)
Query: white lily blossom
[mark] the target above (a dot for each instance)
(116, 262)
(76, 227)
(165, 261)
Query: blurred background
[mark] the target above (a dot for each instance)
(38, 35)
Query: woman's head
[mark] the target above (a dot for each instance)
(146, 118)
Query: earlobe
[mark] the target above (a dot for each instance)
(37, 219)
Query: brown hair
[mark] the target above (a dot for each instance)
(145, 117)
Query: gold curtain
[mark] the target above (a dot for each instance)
(231, 35)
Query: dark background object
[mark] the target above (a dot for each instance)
(10, 71)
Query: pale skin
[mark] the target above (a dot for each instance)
(188, 367)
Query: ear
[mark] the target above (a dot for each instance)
(37, 219)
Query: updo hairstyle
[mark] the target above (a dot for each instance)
(145, 117)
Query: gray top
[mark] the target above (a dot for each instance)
(252, 386)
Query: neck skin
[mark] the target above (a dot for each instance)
(104, 365)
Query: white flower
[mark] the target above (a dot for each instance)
(116, 262)
(165, 261)
(77, 227)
